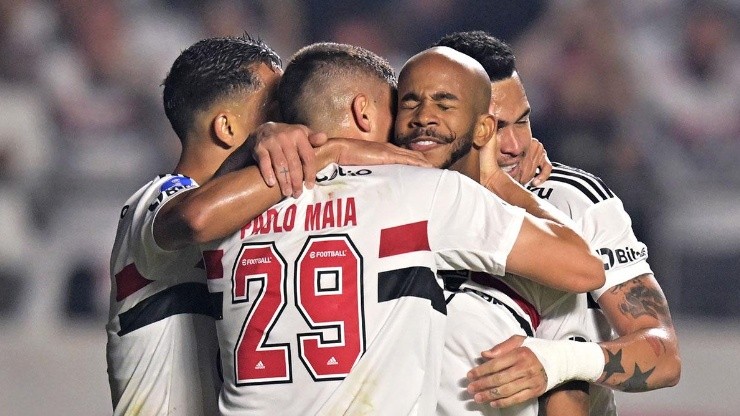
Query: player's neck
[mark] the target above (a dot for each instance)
(468, 165)
(199, 165)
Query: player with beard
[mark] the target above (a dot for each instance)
(645, 354)
(441, 96)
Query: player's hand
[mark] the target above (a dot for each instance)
(511, 375)
(490, 171)
(362, 152)
(285, 155)
(536, 158)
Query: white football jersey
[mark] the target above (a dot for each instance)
(607, 227)
(543, 312)
(162, 348)
(330, 302)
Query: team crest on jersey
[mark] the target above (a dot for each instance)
(170, 187)
(624, 255)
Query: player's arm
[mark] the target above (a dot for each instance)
(519, 243)
(226, 203)
(287, 159)
(521, 369)
(511, 191)
(645, 356)
(561, 260)
(564, 258)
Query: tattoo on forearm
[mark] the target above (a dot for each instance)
(640, 300)
(613, 365)
(638, 380)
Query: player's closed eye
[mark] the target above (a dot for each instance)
(409, 105)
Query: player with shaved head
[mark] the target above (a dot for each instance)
(645, 354)
(461, 92)
(443, 105)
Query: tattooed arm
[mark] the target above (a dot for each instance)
(645, 356)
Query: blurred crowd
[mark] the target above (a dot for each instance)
(645, 94)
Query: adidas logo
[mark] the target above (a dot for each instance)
(332, 361)
(259, 366)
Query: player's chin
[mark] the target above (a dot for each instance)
(437, 156)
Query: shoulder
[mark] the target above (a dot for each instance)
(151, 195)
(402, 176)
(572, 189)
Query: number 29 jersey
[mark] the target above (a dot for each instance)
(330, 302)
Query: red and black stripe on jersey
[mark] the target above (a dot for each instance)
(415, 281)
(184, 298)
(190, 298)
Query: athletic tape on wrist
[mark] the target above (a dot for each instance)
(567, 360)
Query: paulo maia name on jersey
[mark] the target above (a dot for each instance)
(334, 213)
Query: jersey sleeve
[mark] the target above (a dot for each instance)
(470, 228)
(608, 228)
(149, 256)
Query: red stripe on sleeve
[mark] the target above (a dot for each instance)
(405, 238)
(214, 268)
(128, 281)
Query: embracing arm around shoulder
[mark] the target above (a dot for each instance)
(556, 256)
(214, 210)
(226, 203)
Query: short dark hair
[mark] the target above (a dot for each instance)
(315, 67)
(209, 70)
(494, 54)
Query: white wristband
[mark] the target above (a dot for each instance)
(567, 360)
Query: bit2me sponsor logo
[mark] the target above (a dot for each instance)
(621, 255)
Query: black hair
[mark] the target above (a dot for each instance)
(209, 70)
(315, 67)
(494, 54)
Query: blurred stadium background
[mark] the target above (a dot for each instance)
(644, 93)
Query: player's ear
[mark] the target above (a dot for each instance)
(224, 130)
(485, 129)
(362, 112)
